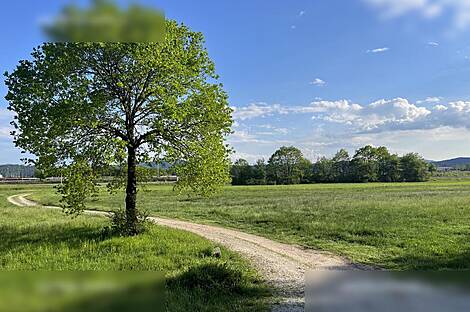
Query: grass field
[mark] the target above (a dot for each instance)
(34, 239)
(423, 226)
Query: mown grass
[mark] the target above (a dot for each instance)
(399, 226)
(34, 239)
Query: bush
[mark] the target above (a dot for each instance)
(119, 226)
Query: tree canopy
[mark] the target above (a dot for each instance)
(94, 104)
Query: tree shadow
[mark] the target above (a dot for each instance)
(209, 287)
(454, 261)
(14, 238)
(146, 296)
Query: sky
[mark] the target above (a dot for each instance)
(317, 74)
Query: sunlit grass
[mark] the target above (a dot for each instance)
(35, 239)
(396, 226)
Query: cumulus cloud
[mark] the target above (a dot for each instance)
(374, 116)
(459, 9)
(441, 128)
(379, 116)
(378, 50)
(433, 44)
(397, 114)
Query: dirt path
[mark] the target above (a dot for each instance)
(282, 265)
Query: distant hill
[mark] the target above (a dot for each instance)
(17, 171)
(454, 163)
(163, 165)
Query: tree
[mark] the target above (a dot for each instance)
(366, 163)
(285, 166)
(97, 104)
(305, 168)
(341, 166)
(414, 168)
(389, 168)
(241, 172)
(259, 172)
(323, 171)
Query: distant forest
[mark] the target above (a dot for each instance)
(369, 164)
(17, 171)
(149, 169)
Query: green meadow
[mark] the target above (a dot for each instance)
(398, 226)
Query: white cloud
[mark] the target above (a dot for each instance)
(272, 130)
(378, 50)
(6, 114)
(5, 132)
(440, 107)
(393, 8)
(434, 129)
(379, 114)
(251, 158)
(318, 82)
(433, 44)
(256, 110)
(242, 136)
(5, 117)
(458, 9)
(430, 100)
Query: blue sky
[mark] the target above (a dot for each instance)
(317, 74)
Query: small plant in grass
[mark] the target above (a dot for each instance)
(119, 226)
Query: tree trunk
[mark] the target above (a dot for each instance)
(131, 192)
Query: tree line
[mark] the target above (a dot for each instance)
(17, 171)
(369, 164)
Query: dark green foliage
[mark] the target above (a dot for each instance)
(288, 166)
(241, 172)
(369, 164)
(17, 171)
(414, 168)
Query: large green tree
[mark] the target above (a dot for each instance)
(241, 172)
(288, 166)
(97, 104)
(414, 168)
